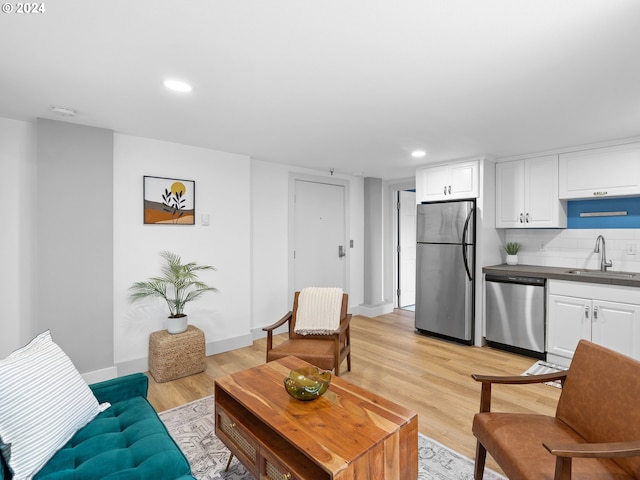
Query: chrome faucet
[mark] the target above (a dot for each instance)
(603, 259)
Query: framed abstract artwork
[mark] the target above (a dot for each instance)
(169, 201)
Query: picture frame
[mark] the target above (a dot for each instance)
(168, 201)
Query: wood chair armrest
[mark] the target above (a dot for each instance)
(279, 323)
(488, 380)
(272, 327)
(520, 379)
(564, 452)
(344, 324)
(594, 450)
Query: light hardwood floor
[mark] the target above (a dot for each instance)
(427, 375)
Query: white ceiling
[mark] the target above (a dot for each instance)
(353, 85)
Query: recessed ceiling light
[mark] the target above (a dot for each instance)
(418, 153)
(177, 86)
(64, 111)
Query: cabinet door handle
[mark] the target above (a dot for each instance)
(449, 189)
(595, 313)
(521, 218)
(586, 312)
(445, 190)
(527, 218)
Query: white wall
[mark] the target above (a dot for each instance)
(574, 248)
(222, 187)
(247, 242)
(270, 241)
(18, 239)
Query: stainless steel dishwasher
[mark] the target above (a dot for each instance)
(515, 309)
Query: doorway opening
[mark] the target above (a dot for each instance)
(406, 249)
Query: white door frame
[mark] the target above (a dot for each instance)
(293, 177)
(402, 254)
(392, 198)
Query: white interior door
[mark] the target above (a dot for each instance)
(319, 238)
(407, 248)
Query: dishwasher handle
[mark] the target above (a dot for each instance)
(517, 279)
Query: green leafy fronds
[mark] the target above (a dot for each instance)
(512, 248)
(177, 285)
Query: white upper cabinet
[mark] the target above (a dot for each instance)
(447, 182)
(600, 172)
(527, 194)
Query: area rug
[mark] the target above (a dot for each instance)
(192, 427)
(541, 368)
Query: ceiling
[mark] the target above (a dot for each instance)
(353, 85)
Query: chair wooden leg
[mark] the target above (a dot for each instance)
(481, 456)
(349, 361)
(563, 468)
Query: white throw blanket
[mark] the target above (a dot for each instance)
(318, 311)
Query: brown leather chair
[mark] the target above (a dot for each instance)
(595, 433)
(325, 351)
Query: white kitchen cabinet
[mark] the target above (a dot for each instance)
(566, 325)
(447, 182)
(600, 172)
(613, 324)
(527, 194)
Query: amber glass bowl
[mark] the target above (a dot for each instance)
(307, 383)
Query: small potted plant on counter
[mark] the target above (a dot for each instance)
(512, 249)
(177, 286)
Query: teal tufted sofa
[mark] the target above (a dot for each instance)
(128, 441)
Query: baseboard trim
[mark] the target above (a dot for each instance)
(133, 366)
(100, 375)
(211, 348)
(258, 333)
(372, 310)
(228, 344)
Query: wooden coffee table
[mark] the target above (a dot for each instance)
(348, 433)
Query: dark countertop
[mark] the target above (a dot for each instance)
(560, 273)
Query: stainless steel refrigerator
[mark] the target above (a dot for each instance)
(445, 269)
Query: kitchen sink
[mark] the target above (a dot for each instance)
(600, 273)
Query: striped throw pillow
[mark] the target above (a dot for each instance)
(43, 402)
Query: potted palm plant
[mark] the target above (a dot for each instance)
(512, 249)
(177, 285)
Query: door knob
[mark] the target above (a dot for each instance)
(341, 251)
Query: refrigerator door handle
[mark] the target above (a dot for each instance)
(466, 261)
(465, 232)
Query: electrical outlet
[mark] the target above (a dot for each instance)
(631, 248)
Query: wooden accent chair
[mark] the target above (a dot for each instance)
(325, 351)
(595, 433)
